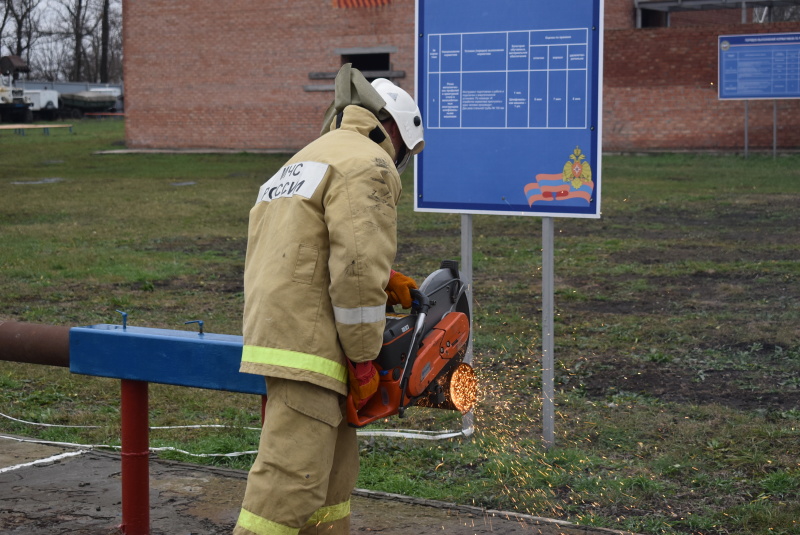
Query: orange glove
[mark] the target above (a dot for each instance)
(399, 289)
(363, 381)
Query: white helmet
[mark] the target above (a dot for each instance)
(406, 114)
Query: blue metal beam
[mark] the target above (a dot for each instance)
(184, 358)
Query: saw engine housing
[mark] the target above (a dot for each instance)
(421, 360)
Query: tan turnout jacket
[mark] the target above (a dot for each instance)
(321, 241)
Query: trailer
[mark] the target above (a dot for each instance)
(44, 103)
(94, 100)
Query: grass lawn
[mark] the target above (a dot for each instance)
(677, 328)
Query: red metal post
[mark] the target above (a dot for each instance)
(135, 458)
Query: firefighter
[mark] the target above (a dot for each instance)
(321, 242)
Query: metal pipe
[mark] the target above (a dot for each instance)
(135, 458)
(34, 344)
(467, 420)
(548, 334)
(774, 128)
(746, 118)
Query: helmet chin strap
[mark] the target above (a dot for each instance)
(402, 164)
(402, 161)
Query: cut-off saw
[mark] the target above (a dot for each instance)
(421, 362)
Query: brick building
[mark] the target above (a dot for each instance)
(660, 92)
(248, 74)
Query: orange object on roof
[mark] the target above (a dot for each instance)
(360, 3)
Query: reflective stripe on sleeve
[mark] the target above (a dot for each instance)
(294, 359)
(354, 316)
(330, 513)
(262, 526)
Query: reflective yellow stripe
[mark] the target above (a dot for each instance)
(262, 526)
(294, 359)
(331, 513)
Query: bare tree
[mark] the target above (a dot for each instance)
(47, 64)
(93, 29)
(77, 22)
(4, 16)
(115, 52)
(79, 40)
(776, 14)
(105, 32)
(103, 49)
(26, 16)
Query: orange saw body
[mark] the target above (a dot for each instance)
(422, 359)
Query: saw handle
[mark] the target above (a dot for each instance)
(423, 304)
(420, 301)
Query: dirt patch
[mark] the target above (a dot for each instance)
(732, 388)
(695, 304)
(222, 245)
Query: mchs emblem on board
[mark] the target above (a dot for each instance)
(572, 187)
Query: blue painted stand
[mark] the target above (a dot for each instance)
(138, 356)
(183, 358)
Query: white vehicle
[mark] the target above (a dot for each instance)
(45, 103)
(14, 105)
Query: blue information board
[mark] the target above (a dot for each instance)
(760, 66)
(510, 93)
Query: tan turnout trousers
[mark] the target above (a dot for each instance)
(307, 464)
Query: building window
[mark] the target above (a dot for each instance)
(373, 62)
(369, 64)
(655, 19)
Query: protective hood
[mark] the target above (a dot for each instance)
(353, 89)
